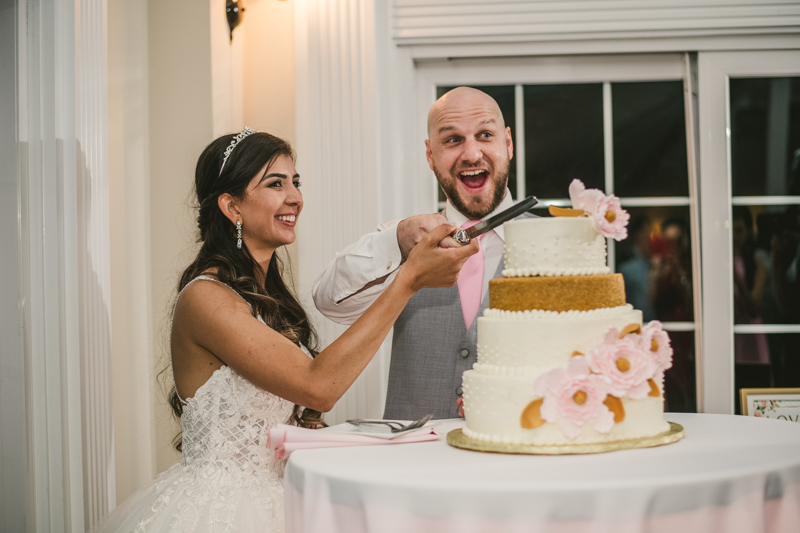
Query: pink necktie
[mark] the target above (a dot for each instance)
(470, 282)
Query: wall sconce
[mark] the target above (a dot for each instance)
(234, 11)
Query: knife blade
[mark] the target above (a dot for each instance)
(463, 236)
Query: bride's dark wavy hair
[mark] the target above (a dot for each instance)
(237, 268)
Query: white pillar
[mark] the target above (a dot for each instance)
(338, 156)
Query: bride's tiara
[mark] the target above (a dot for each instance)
(236, 140)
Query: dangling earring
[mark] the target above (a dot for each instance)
(239, 234)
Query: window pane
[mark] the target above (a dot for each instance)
(766, 259)
(656, 262)
(680, 388)
(765, 136)
(766, 360)
(563, 138)
(649, 139)
(504, 96)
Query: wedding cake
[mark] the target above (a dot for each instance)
(562, 359)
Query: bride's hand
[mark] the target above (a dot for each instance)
(430, 265)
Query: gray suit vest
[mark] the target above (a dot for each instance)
(431, 348)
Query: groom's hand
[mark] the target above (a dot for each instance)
(411, 230)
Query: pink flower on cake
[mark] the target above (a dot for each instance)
(606, 212)
(573, 397)
(583, 198)
(610, 219)
(623, 364)
(655, 342)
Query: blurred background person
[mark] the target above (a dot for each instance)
(671, 259)
(749, 282)
(639, 281)
(672, 300)
(785, 257)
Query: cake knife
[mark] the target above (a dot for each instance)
(463, 236)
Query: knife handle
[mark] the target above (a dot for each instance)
(461, 237)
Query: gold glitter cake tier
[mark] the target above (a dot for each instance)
(561, 293)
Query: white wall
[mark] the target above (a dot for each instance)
(269, 86)
(227, 58)
(129, 199)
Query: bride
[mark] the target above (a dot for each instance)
(242, 346)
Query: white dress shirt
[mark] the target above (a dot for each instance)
(377, 254)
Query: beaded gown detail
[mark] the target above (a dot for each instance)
(227, 479)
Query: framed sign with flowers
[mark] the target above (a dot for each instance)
(783, 404)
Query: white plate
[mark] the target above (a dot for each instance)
(377, 430)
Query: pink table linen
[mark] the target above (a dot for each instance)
(285, 439)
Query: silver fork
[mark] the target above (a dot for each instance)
(396, 426)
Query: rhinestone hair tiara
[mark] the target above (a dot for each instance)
(246, 132)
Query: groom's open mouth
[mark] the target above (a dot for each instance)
(474, 180)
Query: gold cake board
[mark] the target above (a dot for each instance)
(459, 440)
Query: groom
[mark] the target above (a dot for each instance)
(468, 148)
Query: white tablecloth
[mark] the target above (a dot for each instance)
(729, 473)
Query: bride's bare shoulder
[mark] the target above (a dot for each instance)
(206, 298)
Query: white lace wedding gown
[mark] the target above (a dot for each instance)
(227, 479)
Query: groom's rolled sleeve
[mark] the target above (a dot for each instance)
(336, 291)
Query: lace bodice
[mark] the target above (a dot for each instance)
(227, 474)
(226, 423)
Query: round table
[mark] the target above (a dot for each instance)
(729, 473)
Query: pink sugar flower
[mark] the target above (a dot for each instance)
(623, 364)
(610, 219)
(608, 216)
(573, 397)
(655, 342)
(583, 198)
